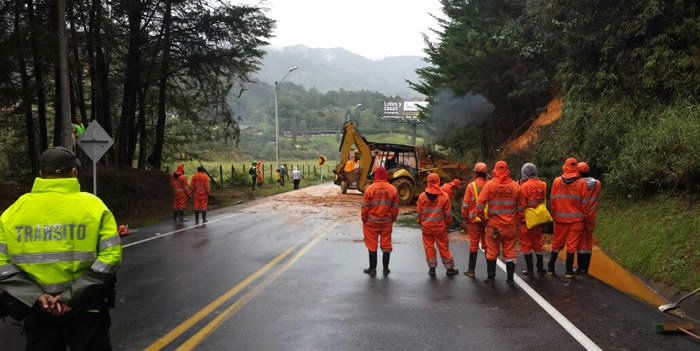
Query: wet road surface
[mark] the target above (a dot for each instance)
(285, 273)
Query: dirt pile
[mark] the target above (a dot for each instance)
(520, 141)
(430, 159)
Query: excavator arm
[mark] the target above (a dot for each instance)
(352, 137)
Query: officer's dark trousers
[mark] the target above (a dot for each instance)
(82, 331)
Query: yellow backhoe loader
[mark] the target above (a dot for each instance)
(356, 171)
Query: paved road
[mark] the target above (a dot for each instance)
(267, 276)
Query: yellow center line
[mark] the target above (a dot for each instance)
(184, 326)
(196, 339)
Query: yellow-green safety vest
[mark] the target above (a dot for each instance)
(56, 234)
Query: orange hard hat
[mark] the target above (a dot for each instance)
(123, 229)
(501, 169)
(570, 168)
(481, 167)
(180, 168)
(456, 182)
(433, 184)
(583, 167)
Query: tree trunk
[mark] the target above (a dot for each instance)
(143, 138)
(131, 83)
(26, 93)
(163, 84)
(39, 80)
(66, 125)
(77, 70)
(89, 28)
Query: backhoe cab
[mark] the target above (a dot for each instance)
(356, 170)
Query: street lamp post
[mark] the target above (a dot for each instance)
(277, 119)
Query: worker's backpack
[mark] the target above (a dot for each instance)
(252, 171)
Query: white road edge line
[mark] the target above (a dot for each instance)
(587, 343)
(158, 236)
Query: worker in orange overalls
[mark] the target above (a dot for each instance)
(260, 173)
(502, 195)
(200, 194)
(450, 188)
(590, 205)
(533, 192)
(380, 207)
(434, 216)
(568, 212)
(476, 228)
(178, 181)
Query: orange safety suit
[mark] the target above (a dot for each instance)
(476, 229)
(380, 207)
(260, 172)
(502, 195)
(590, 206)
(533, 192)
(178, 182)
(566, 200)
(349, 166)
(200, 191)
(434, 217)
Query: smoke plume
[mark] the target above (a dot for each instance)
(449, 112)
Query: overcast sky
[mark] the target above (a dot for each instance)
(371, 28)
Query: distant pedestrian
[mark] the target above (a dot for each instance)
(501, 194)
(258, 165)
(590, 205)
(178, 181)
(476, 228)
(380, 208)
(434, 216)
(533, 192)
(283, 173)
(296, 177)
(200, 194)
(253, 172)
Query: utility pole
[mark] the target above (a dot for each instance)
(277, 117)
(66, 124)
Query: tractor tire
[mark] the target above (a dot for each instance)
(344, 187)
(406, 190)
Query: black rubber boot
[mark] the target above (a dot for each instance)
(204, 216)
(472, 264)
(510, 271)
(552, 261)
(490, 271)
(570, 265)
(452, 272)
(583, 262)
(588, 261)
(196, 217)
(528, 263)
(372, 270)
(175, 216)
(182, 215)
(540, 264)
(385, 262)
(431, 271)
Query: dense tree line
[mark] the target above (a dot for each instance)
(132, 64)
(628, 72)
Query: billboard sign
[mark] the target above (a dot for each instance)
(403, 111)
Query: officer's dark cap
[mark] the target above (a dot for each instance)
(57, 161)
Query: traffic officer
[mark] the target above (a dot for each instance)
(59, 252)
(200, 194)
(590, 205)
(380, 207)
(178, 181)
(566, 201)
(476, 228)
(533, 192)
(434, 216)
(502, 195)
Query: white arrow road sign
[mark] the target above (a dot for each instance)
(95, 142)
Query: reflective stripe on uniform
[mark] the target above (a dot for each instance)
(50, 257)
(465, 205)
(559, 214)
(534, 202)
(472, 215)
(102, 267)
(109, 242)
(364, 205)
(480, 206)
(383, 219)
(594, 207)
(590, 199)
(179, 190)
(509, 260)
(501, 202)
(432, 210)
(508, 211)
(8, 269)
(56, 288)
(584, 251)
(434, 218)
(521, 209)
(380, 202)
(566, 196)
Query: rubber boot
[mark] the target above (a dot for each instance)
(431, 271)
(540, 264)
(583, 262)
(196, 217)
(182, 215)
(570, 265)
(175, 216)
(490, 271)
(510, 271)
(528, 263)
(372, 270)
(204, 216)
(552, 261)
(472, 264)
(451, 272)
(385, 261)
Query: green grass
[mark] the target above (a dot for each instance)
(657, 238)
(407, 221)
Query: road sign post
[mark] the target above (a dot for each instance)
(95, 142)
(322, 162)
